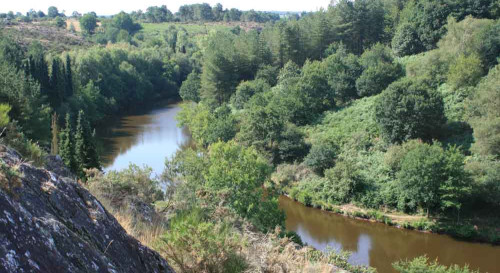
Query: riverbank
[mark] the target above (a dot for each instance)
(477, 230)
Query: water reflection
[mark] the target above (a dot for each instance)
(142, 139)
(379, 245)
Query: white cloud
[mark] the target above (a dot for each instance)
(108, 7)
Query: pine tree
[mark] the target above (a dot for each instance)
(85, 148)
(54, 148)
(68, 78)
(56, 91)
(66, 149)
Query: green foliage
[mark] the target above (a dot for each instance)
(238, 173)
(465, 72)
(321, 156)
(291, 146)
(410, 109)
(16, 139)
(60, 22)
(379, 70)
(406, 41)
(9, 178)
(53, 12)
(86, 156)
(342, 70)
(269, 74)
(342, 183)
(207, 126)
(485, 113)
(195, 244)
(431, 178)
(422, 265)
(486, 176)
(219, 77)
(88, 23)
(22, 93)
(122, 187)
(354, 125)
(190, 88)
(246, 90)
(123, 21)
(4, 115)
(66, 145)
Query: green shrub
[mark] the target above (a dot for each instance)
(408, 109)
(194, 244)
(422, 265)
(422, 224)
(464, 231)
(118, 187)
(26, 147)
(305, 198)
(9, 178)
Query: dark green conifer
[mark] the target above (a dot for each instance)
(85, 148)
(66, 149)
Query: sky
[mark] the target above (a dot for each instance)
(109, 7)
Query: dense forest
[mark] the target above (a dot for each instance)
(386, 105)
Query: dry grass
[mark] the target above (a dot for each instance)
(269, 253)
(147, 235)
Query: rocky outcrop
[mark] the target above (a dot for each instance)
(52, 224)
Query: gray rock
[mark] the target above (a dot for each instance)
(53, 224)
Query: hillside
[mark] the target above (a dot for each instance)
(51, 37)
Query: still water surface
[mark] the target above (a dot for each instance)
(149, 137)
(145, 138)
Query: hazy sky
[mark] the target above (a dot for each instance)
(108, 7)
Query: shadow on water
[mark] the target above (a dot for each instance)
(379, 245)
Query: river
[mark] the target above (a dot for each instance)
(148, 137)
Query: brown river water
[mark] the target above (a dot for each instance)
(149, 137)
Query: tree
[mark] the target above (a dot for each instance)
(485, 113)
(208, 126)
(321, 156)
(291, 146)
(86, 156)
(88, 23)
(53, 12)
(57, 83)
(54, 146)
(406, 41)
(4, 117)
(246, 90)
(190, 88)
(66, 148)
(379, 70)
(60, 22)
(218, 12)
(68, 78)
(27, 104)
(465, 71)
(123, 21)
(432, 178)
(343, 69)
(409, 109)
(238, 173)
(262, 125)
(342, 183)
(220, 73)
